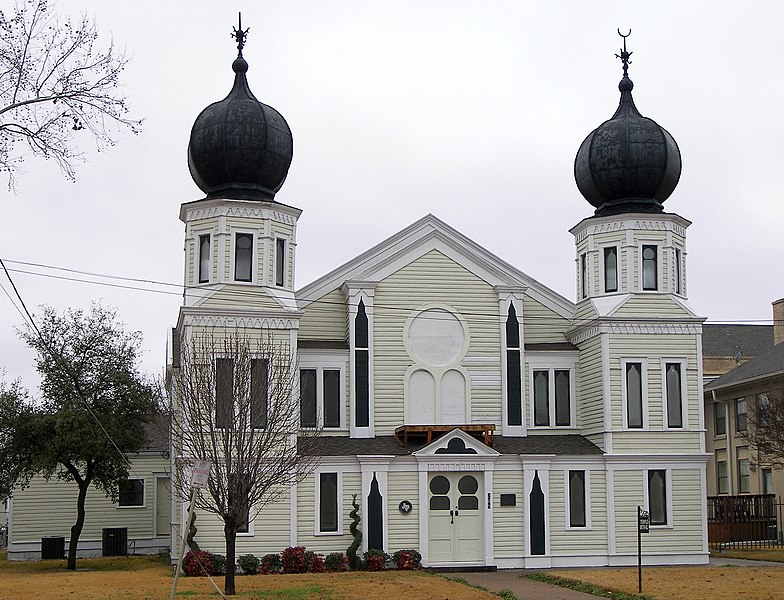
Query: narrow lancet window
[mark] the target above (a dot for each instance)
(204, 258)
(649, 268)
(362, 368)
(611, 269)
(280, 262)
(514, 392)
(243, 257)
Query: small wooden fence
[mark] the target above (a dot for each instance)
(745, 521)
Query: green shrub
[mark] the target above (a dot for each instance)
(218, 564)
(375, 560)
(314, 562)
(249, 564)
(408, 559)
(337, 561)
(271, 564)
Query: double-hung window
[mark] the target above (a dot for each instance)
(657, 496)
(552, 390)
(255, 402)
(243, 257)
(328, 503)
(719, 418)
(204, 258)
(611, 269)
(650, 267)
(722, 479)
(320, 397)
(635, 391)
(577, 486)
(673, 377)
(744, 476)
(131, 493)
(741, 410)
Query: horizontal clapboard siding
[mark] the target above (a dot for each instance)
(542, 324)
(306, 514)
(325, 318)
(403, 529)
(508, 521)
(590, 395)
(565, 541)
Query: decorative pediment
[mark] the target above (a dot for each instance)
(455, 444)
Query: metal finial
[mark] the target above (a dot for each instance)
(240, 34)
(624, 55)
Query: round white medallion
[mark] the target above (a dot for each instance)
(436, 337)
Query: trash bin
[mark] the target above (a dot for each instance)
(53, 547)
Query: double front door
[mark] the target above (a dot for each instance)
(455, 517)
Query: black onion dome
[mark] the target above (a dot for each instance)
(629, 163)
(239, 147)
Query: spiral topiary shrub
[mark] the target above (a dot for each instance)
(293, 560)
(354, 561)
(198, 563)
(249, 564)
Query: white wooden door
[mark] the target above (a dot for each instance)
(454, 518)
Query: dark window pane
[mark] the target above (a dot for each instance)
(514, 388)
(563, 414)
(328, 502)
(204, 258)
(439, 503)
(649, 268)
(721, 477)
(361, 327)
(674, 409)
(331, 398)
(259, 372)
(677, 271)
(439, 485)
(467, 485)
(224, 392)
(577, 498)
(131, 492)
(657, 497)
(744, 476)
(512, 329)
(611, 269)
(740, 414)
(307, 397)
(243, 256)
(468, 503)
(634, 394)
(584, 275)
(362, 376)
(280, 262)
(541, 398)
(720, 418)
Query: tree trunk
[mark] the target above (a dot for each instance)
(230, 532)
(76, 530)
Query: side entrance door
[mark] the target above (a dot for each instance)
(455, 518)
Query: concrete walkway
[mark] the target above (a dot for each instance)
(522, 588)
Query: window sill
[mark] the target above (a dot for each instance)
(131, 506)
(327, 533)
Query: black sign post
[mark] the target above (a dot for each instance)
(643, 526)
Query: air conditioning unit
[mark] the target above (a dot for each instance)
(52, 547)
(114, 541)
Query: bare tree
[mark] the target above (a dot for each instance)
(56, 84)
(235, 403)
(765, 428)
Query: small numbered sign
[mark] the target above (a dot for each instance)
(644, 522)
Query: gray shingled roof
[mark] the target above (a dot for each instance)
(532, 444)
(726, 340)
(766, 364)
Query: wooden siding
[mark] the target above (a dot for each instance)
(542, 324)
(508, 521)
(48, 508)
(238, 295)
(403, 529)
(306, 516)
(654, 346)
(564, 541)
(649, 442)
(645, 305)
(628, 496)
(590, 399)
(685, 534)
(325, 318)
(433, 279)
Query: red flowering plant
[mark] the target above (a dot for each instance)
(407, 560)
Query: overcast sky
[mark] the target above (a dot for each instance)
(470, 110)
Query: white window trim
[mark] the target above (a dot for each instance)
(274, 278)
(320, 363)
(684, 393)
(317, 503)
(144, 495)
(254, 259)
(587, 492)
(552, 362)
(659, 267)
(584, 275)
(602, 285)
(667, 492)
(677, 270)
(251, 529)
(644, 380)
(197, 256)
(504, 304)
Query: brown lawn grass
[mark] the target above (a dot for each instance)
(688, 583)
(772, 554)
(144, 578)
